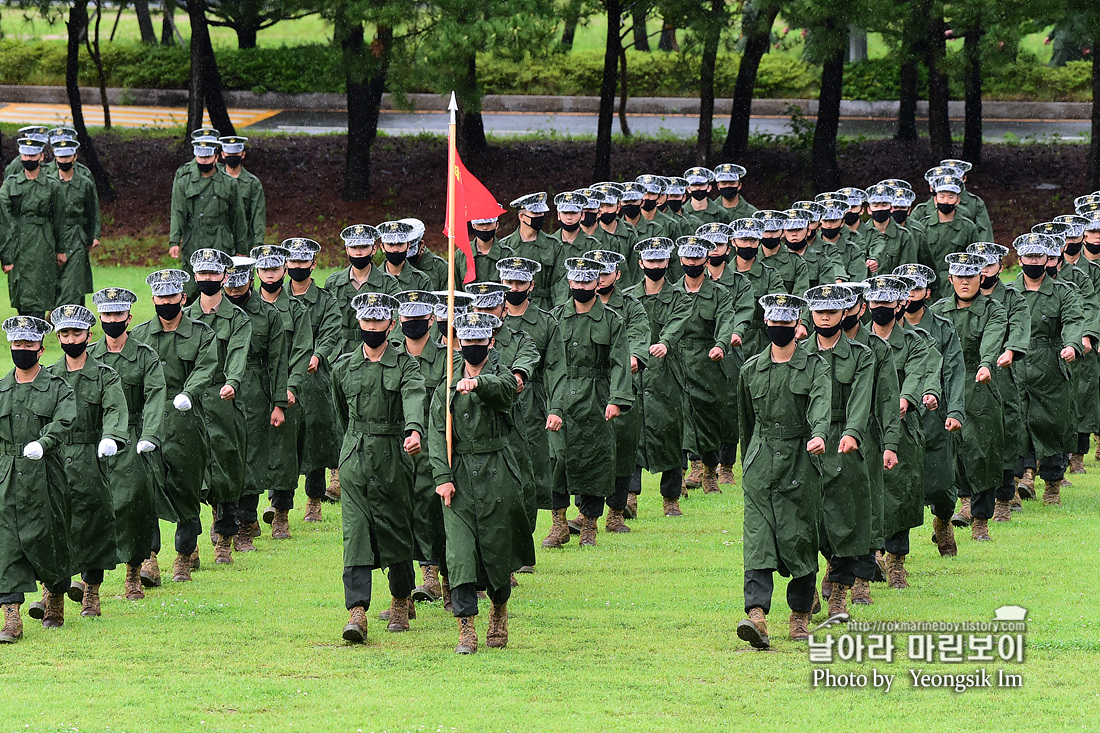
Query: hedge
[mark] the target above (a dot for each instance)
(316, 68)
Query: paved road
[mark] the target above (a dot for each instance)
(518, 123)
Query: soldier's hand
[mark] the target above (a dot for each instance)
(952, 425)
(107, 447)
(174, 251)
(227, 392)
(735, 340)
(657, 350)
(717, 353)
(62, 258)
(1005, 359)
(983, 376)
(816, 447)
(314, 364)
(144, 446)
(931, 402)
(633, 365)
(1068, 354)
(33, 450)
(412, 445)
(872, 265)
(611, 412)
(466, 386)
(800, 332)
(520, 384)
(1086, 343)
(8, 268)
(95, 243)
(848, 444)
(290, 398)
(182, 402)
(904, 406)
(446, 490)
(553, 423)
(889, 459)
(277, 417)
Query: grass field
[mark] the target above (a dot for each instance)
(634, 635)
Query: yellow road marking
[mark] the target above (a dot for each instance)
(123, 116)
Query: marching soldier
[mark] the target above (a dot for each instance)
(573, 242)
(728, 179)
(838, 242)
(820, 268)
(38, 135)
(650, 221)
(360, 276)
(947, 230)
(251, 190)
(699, 205)
(970, 205)
(886, 244)
(529, 241)
(487, 249)
(423, 259)
(791, 268)
(612, 234)
(65, 134)
(684, 222)
(81, 224)
(395, 238)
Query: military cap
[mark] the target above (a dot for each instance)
(952, 184)
(895, 183)
(359, 235)
(1093, 216)
(810, 210)
(75, 317)
(113, 300)
(1088, 210)
(795, 219)
(833, 206)
(607, 193)
(487, 294)
(653, 184)
(855, 196)
(965, 264)
(533, 203)
(858, 288)
(37, 133)
(232, 144)
(374, 306)
(517, 268)
(570, 201)
(394, 232)
(591, 197)
(206, 133)
(655, 248)
(728, 172)
(417, 235)
(676, 186)
(204, 147)
(30, 146)
(886, 289)
(1075, 223)
(462, 303)
(880, 193)
(416, 303)
(1053, 228)
(962, 165)
(942, 171)
(473, 326)
(239, 273)
(65, 148)
(692, 246)
(715, 232)
(57, 134)
(210, 260)
(903, 197)
(698, 176)
(632, 192)
(26, 328)
(482, 222)
(922, 274)
(992, 251)
(781, 307)
(1033, 243)
(582, 269)
(608, 260)
(746, 228)
(167, 282)
(826, 197)
(1088, 198)
(300, 249)
(770, 220)
(269, 256)
(830, 297)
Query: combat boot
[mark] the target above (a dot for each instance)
(826, 586)
(332, 493)
(268, 515)
(132, 584)
(816, 607)
(979, 531)
(631, 511)
(497, 636)
(897, 576)
(280, 526)
(213, 521)
(754, 629)
(242, 541)
(575, 524)
(693, 479)
(588, 532)
(1026, 485)
(1052, 493)
(467, 636)
(37, 609)
(356, 629)
(90, 605)
(838, 600)
(76, 591)
(384, 615)
(559, 531)
(313, 510)
(399, 614)
(181, 568)
(54, 617)
(1016, 504)
(223, 551)
(962, 518)
(861, 593)
(196, 561)
(13, 624)
(1077, 463)
(672, 507)
(710, 481)
(150, 571)
(945, 537)
(799, 624)
(880, 568)
(614, 522)
(429, 591)
(725, 475)
(445, 589)
(1002, 511)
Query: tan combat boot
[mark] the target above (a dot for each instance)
(429, 591)
(963, 517)
(861, 593)
(445, 589)
(826, 586)
(575, 524)
(54, 617)
(150, 571)
(181, 568)
(399, 614)
(672, 507)
(76, 591)
(838, 600)
(588, 532)
(1016, 504)
(132, 584)
(497, 637)
(816, 607)
(614, 522)
(1077, 463)
(725, 475)
(195, 560)
(710, 481)
(897, 575)
(90, 606)
(693, 479)
(313, 510)
(13, 624)
(356, 629)
(280, 526)
(384, 615)
(242, 541)
(559, 531)
(631, 511)
(979, 531)
(754, 629)
(467, 636)
(223, 550)
(213, 521)
(1002, 511)
(1052, 493)
(799, 624)
(1026, 485)
(332, 493)
(945, 537)
(37, 609)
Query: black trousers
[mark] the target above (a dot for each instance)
(760, 583)
(92, 577)
(1051, 468)
(590, 506)
(187, 536)
(617, 501)
(982, 503)
(246, 509)
(1083, 443)
(1007, 490)
(282, 499)
(670, 482)
(464, 597)
(727, 454)
(357, 583)
(709, 458)
(315, 484)
(898, 544)
(845, 570)
(21, 598)
(226, 523)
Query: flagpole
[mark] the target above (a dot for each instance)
(453, 219)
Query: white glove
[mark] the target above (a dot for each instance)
(182, 402)
(33, 450)
(107, 447)
(144, 446)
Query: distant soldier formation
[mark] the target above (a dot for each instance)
(858, 352)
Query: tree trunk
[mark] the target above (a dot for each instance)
(76, 26)
(247, 25)
(638, 20)
(913, 52)
(972, 126)
(667, 40)
(823, 166)
(907, 106)
(939, 120)
(623, 124)
(145, 22)
(202, 55)
(572, 17)
(602, 164)
(91, 41)
(1094, 144)
(757, 31)
(471, 126)
(365, 79)
(706, 82)
(168, 23)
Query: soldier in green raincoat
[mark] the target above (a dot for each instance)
(379, 396)
(728, 179)
(37, 411)
(529, 241)
(98, 430)
(821, 269)
(573, 241)
(131, 474)
(36, 134)
(886, 244)
(946, 229)
(189, 358)
(423, 259)
(784, 402)
(253, 201)
(488, 536)
(395, 237)
(361, 276)
(32, 223)
(791, 268)
(80, 232)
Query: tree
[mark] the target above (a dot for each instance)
(77, 26)
(249, 17)
(939, 120)
(601, 170)
(205, 88)
(756, 26)
(145, 22)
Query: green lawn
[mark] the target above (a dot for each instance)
(634, 635)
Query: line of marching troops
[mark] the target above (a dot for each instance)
(862, 351)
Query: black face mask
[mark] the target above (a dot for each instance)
(359, 263)
(475, 354)
(233, 160)
(693, 270)
(74, 350)
(415, 329)
(899, 314)
(30, 165)
(747, 253)
(517, 297)
(781, 335)
(698, 195)
(913, 306)
(851, 217)
(881, 216)
(675, 205)
(945, 208)
(1034, 271)
(589, 218)
(24, 358)
(989, 281)
(632, 211)
(581, 295)
(239, 300)
(272, 287)
(900, 215)
(537, 222)
(208, 287)
(849, 322)
(299, 274)
(415, 258)
(168, 311)
(396, 258)
(728, 192)
(66, 167)
(828, 331)
(769, 242)
(486, 236)
(1052, 270)
(1093, 248)
(882, 314)
(796, 246)
(718, 260)
(114, 329)
(570, 227)
(1072, 248)
(606, 290)
(373, 339)
(649, 204)
(830, 232)
(608, 216)
(654, 273)
(205, 167)
(441, 327)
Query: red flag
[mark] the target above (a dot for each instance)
(472, 201)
